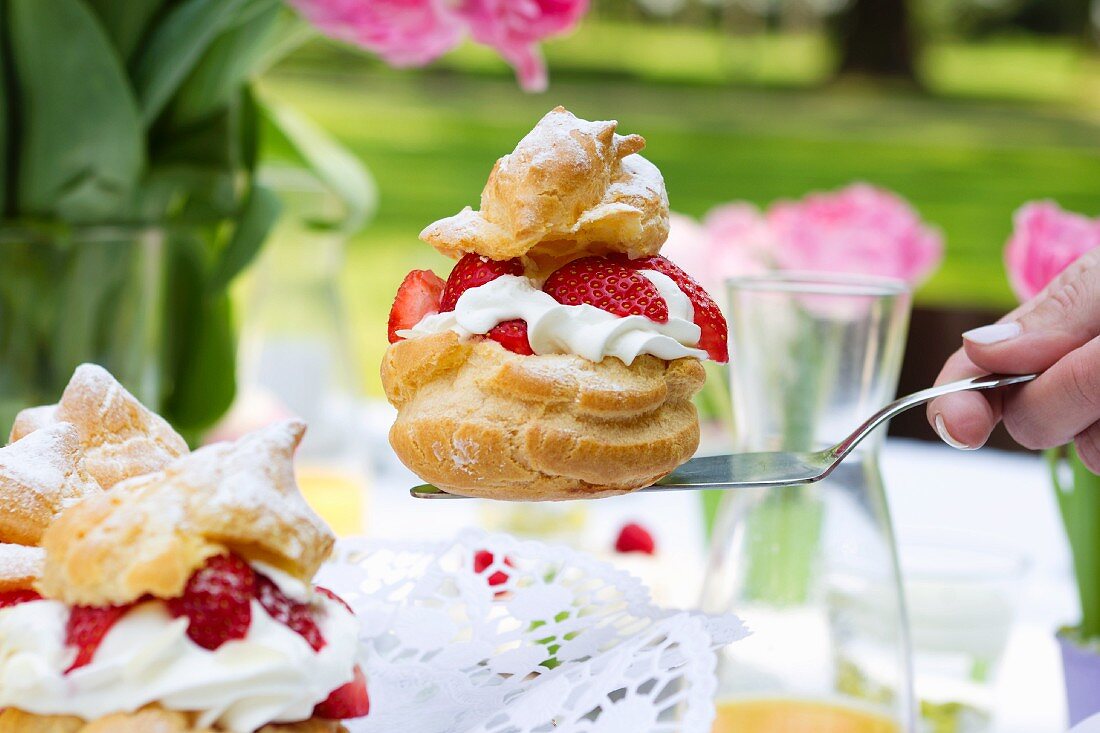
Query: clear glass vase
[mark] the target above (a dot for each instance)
(296, 352)
(72, 294)
(812, 569)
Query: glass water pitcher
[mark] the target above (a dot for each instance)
(297, 355)
(812, 569)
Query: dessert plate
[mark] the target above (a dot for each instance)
(761, 470)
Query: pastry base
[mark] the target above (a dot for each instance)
(477, 420)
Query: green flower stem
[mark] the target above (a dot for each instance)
(1078, 493)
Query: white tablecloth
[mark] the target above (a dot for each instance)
(1004, 496)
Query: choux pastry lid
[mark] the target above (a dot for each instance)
(570, 187)
(148, 534)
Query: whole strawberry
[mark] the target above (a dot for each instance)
(418, 296)
(86, 628)
(217, 601)
(708, 316)
(472, 271)
(607, 285)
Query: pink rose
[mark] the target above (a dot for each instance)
(403, 32)
(514, 28)
(859, 229)
(1045, 240)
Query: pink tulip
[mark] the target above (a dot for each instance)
(859, 229)
(741, 239)
(403, 32)
(730, 243)
(514, 28)
(1045, 240)
(416, 32)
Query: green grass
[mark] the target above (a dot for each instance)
(430, 140)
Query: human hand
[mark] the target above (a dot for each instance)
(1055, 333)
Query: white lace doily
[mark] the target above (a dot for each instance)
(557, 642)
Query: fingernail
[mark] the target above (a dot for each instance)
(946, 437)
(993, 334)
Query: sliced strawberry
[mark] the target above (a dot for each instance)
(474, 270)
(418, 296)
(86, 628)
(635, 538)
(708, 316)
(512, 335)
(296, 616)
(609, 286)
(349, 701)
(217, 601)
(483, 559)
(15, 597)
(329, 594)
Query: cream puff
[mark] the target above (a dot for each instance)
(119, 436)
(559, 358)
(180, 600)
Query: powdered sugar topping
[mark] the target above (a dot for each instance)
(18, 562)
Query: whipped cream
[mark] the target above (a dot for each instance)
(584, 330)
(270, 676)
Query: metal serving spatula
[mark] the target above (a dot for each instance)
(755, 470)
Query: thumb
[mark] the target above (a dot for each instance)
(1032, 338)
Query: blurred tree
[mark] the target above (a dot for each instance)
(876, 39)
(1056, 17)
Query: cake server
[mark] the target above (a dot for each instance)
(757, 470)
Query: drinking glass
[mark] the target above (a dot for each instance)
(812, 356)
(961, 591)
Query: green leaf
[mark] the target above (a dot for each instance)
(333, 164)
(125, 22)
(206, 380)
(248, 129)
(210, 143)
(171, 192)
(175, 47)
(82, 148)
(231, 60)
(259, 216)
(93, 274)
(199, 349)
